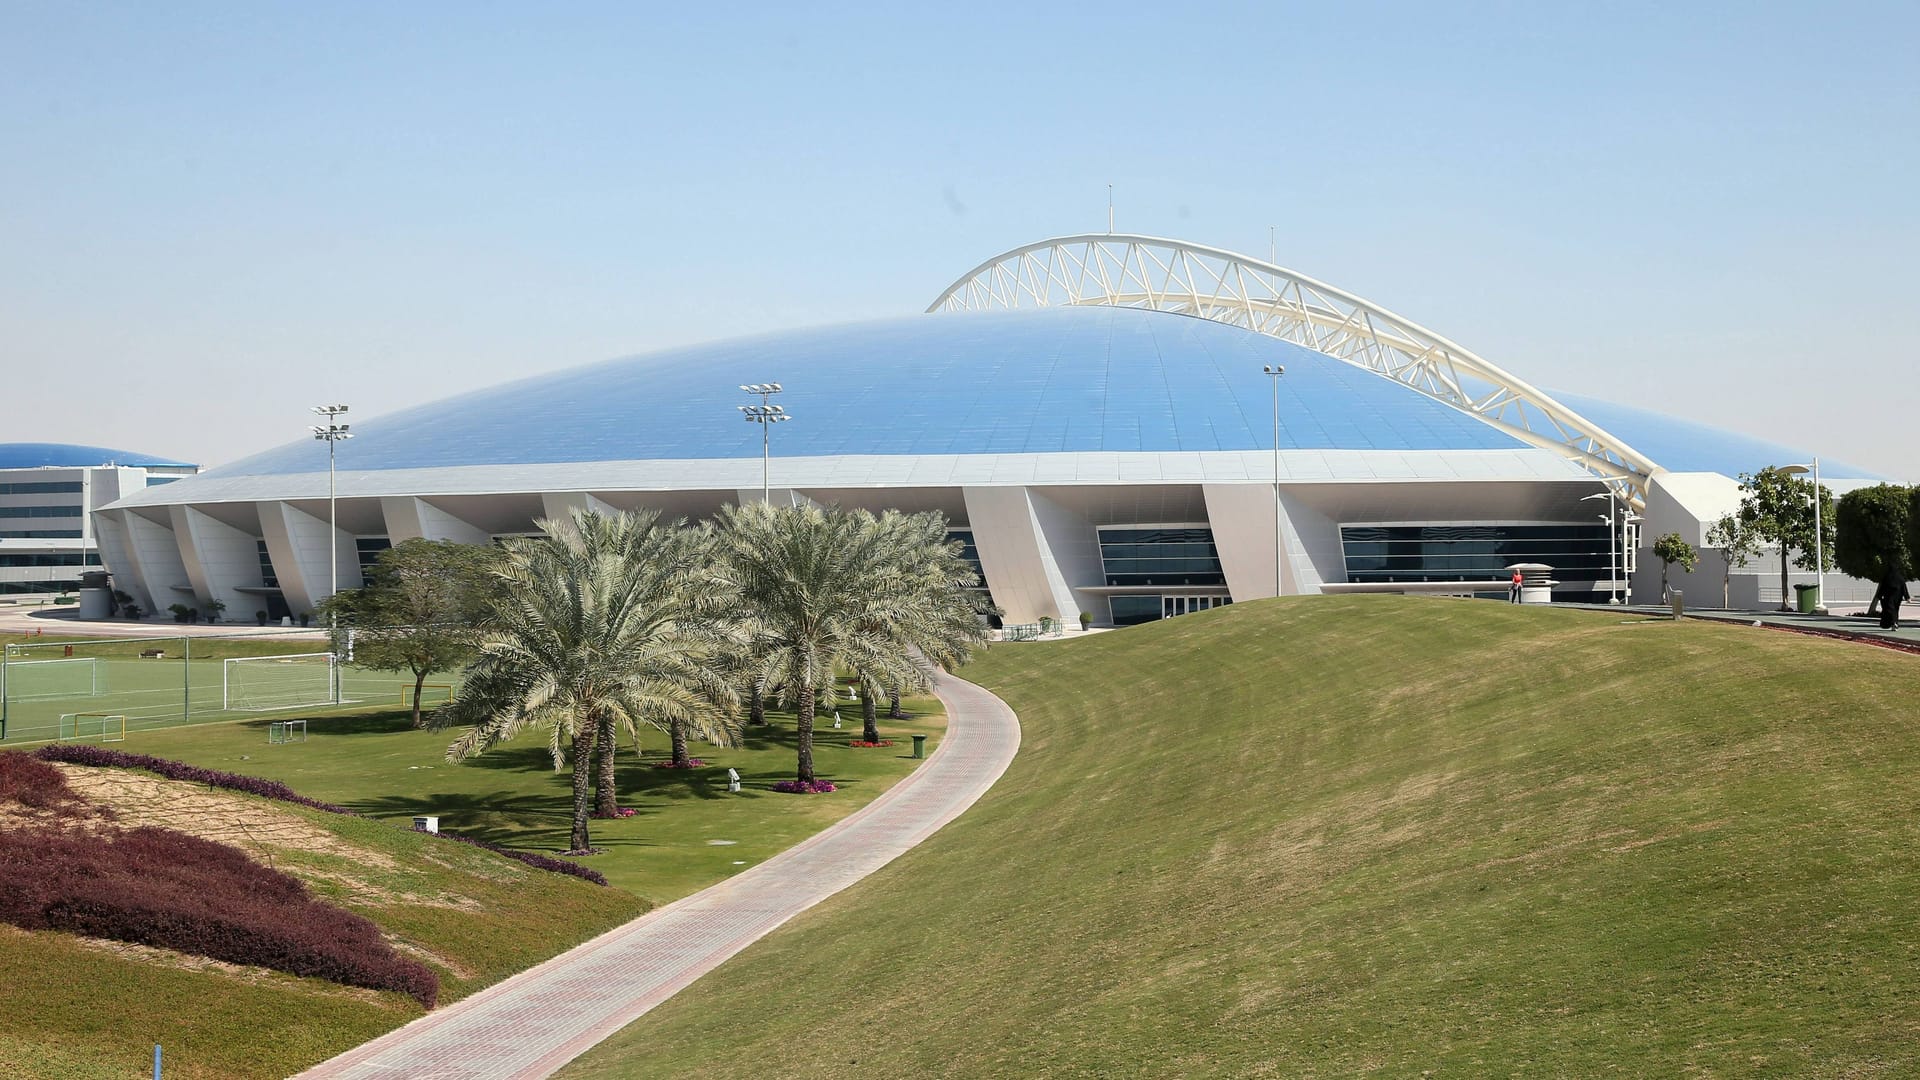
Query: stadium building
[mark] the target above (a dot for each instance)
(1096, 416)
(46, 493)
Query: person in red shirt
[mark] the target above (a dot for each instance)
(1513, 594)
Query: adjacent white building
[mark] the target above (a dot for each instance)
(47, 494)
(1096, 416)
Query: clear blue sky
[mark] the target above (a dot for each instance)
(214, 216)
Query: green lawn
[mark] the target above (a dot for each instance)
(1376, 835)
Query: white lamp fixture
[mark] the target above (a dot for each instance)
(764, 415)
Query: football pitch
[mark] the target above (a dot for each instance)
(99, 690)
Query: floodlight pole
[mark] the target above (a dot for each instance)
(331, 434)
(1273, 372)
(764, 414)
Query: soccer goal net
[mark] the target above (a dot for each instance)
(260, 683)
(39, 680)
(105, 727)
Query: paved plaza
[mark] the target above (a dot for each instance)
(535, 1022)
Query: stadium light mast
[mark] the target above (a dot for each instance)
(764, 415)
(1819, 546)
(1274, 371)
(1613, 581)
(332, 434)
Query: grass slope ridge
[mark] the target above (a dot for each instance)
(1376, 834)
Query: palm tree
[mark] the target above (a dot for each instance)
(946, 626)
(829, 589)
(603, 623)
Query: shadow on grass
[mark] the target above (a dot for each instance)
(531, 822)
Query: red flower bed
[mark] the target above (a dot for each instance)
(622, 812)
(865, 743)
(692, 763)
(804, 787)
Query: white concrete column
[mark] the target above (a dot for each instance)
(219, 558)
(156, 555)
(410, 518)
(1035, 554)
(298, 545)
(116, 553)
(560, 506)
(1243, 521)
(776, 496)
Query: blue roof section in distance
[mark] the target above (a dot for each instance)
(66, 455)
(1683, 446)
(1053, 380)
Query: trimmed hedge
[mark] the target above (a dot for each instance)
(102, 758)
(158, 887)
(538, 862)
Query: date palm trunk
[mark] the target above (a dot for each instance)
(583, 737)
(677, 728)
(869, 705)
(757, 710)
(606, 790)
(805, 727)
(893, 705)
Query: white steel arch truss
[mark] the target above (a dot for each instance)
(1190, 279)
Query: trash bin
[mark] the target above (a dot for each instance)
(1807, 598)
(919, 746)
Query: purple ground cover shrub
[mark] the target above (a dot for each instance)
(692, 763)
(538, 862)
(167, 889)
(804, 787)
(36, 785)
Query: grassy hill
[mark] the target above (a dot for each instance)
(1378, 835)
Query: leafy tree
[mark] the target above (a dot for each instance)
(1670, 549)
(1738, 544)
(823, 589)
(606, 621)
(1777, 506)
(1871, 530)
(417, 613)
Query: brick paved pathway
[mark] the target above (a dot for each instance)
(533, 1023)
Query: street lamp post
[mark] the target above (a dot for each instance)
(764, 415)
(1819, 542)
(1273, 372)
(332, 434)
(1613, 580)
(1627, 521)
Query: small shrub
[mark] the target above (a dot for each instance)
(538, 862)
(692, 763)
(804, 787)
(167, 889)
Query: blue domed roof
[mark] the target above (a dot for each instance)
(65, 455)
(1683, 446)
(1052, 380)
